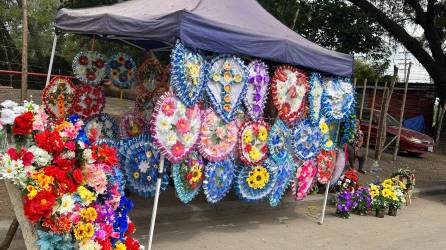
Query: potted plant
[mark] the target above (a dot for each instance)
(397, 197)
(406, 180)
(344, 204)
(379, 201)
(363, 200)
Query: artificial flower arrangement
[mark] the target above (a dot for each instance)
(72, 189)
(325, 165)
(315, 97)
(121, 69)
(306, 139)
(253, 146)
(151, 75)
(103, 125)
(132, 124)
(396, 195)
(407, 177)
(303, 179)
(218, 179)
(89, 67)
(59, 97)
(337, 98)
(90, 101)
(188, 176)
(348, 181)
(258, 80)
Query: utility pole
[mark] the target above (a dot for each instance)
(24, 83)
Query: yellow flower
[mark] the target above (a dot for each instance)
(227, 76)
(387, 192)
(324, 127)
(32, 192)
(79, 231)
(247, 136)
(216, 77)
(88, 230)
(258, 177)
(329, 143)
(86, 195)
(120, 246)
(254, 154)
(374, 190)
(238, 78)
(88, 214)
(136, 175)
(402, 185)
(196, 173)
(263, 133)
(388, 182)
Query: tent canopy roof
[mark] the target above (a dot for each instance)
(240, 27)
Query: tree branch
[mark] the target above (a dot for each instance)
(420, 17)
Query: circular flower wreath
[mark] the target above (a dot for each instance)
(285, 169)
(89, 67)
(104, 126)
(124, 145)
(253, 148)
(325, 166)
(132, 124)
(145, 101)
(258, 80)
(315, 96)
(90, 101)
(337, 98)
(305, 140)
(189, 72)
(303, 179)
(218, 179)
(59, 97)
(188, 176)
(151, 75)
(141, 169)
(288, 89)
(226, 85)
(326, 134)
(278, 140)
(217, 139)
(255, 182)
(121, 70)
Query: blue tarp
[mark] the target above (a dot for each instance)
(239, 27)
(415, 123)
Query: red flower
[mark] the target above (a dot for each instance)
(91, 75)
(65, 183)
(23, 124)
(64, 164)
(286, 108)
(61, 224)
(132, 244)
(106, 244)
(248, 147)
(50, 141)
(177, 149)
(25, 156)
(105, 154)
(264, 149)
(83, 60)
(99, 63)
(40, 206)
(168, 107)
(77, 175)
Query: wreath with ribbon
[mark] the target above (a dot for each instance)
(218, 179)
(175, 127)
(254, 183)
(217, 139)
(90, 101)
(226, 85)
(278, 140)
(285, 169)
(303, 179)
(257, 89)
(325, 166)
(121, 70)
(141, 169)
(305, 140)
(104, 125)
(188, 176)
(315, 97)
(337, 98)
(188, 75)
(89, 67)
(59, 97)
(133, 124)
(253, 136)
(289, 88)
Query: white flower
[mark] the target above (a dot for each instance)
(189, 139)
(19, 109)
(87, 154)
(163, 124)
(69, 155)
(8, 104)
(88, 244)
(66, 204)
(7, 117)
(143, 166)
(171, 138)
(14, 171)
(181, 109)
(41, 156)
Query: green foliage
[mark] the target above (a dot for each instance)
(362, 70)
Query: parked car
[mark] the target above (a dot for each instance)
(411, 141)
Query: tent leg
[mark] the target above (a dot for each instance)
(53, 51)
(155, 202)
(327, 187)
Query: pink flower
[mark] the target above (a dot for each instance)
(168, 107)
(192, 112)
(183, 126)
(177, 149)
(220, 132)
(40, 120)
(70, 145)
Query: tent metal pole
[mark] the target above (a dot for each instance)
(327, 187)
(53, 51)
(155, 202)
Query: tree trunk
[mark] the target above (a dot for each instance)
(24, 85)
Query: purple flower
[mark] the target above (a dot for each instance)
(259, 78)
(258, 88)
(257, 97)
(251, 79)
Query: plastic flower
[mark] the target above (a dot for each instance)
(168, 107)
(247, 136)
(178, 149)
(183, 125)
(7, 116)
(188, 139)
(88, 244)
(324, 127)
(255, 154)
(83, 231)
(388, 182)
(263, 133)
(196, 173)
(171, 138)
(163, 124)
(220, 132)
(86, 195)
(23, 124)
(88, 214)
(66, 204)
(40, 206)
(258, 177)
(120, 246)
(374, 190)
(41, 156)
(387, 193)
(216, 77)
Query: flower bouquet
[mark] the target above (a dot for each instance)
(380, 198)
(348, 181)
(397, 197)
(71, 188)
(345, 203)
(363, 200)
(406, 177)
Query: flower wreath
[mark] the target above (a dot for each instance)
(285, 171)
(217, 139)
(315, 96)
(151, 75)
(337, 98)
(288, 89)
(141, 169)
(327, 142)
(175, 127)
(305, 140)
(254, 183)
(145, 101)
(338, 168)
(253, 136)
(133, 124)
(303, 179)
(257, 89)
(349, 126)
(325, 165)
(105, 126)
(278, 140)
(59, 97)
(124, 145)
(226, 85)
(89, 67)
(90, 101)
(188, 76)
(188, 176)
(121, 69)
(218, 179)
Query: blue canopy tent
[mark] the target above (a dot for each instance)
(240, 27)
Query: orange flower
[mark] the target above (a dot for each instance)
(227, 107)
(227, 87)
(227, 98)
